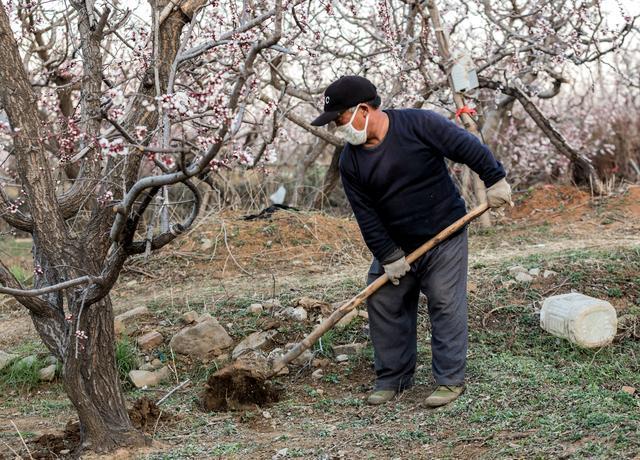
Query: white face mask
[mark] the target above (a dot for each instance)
(348, 133)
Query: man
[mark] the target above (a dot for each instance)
(394, 174)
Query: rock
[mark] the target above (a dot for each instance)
(548, 273)
(189, 317)
(65, 452)
(271, 304)
(342, 358)
(346, 319)
(129, 318)
(255, 308)
(5, 359)
(150, 340)
(47, 374)
(629, 390)
(297, 314)
(349, 350)
(513, 271)
(206, 244)
(255, 341)
(534, 271)
(148, 379)
(317, 374)
(28, 361)
(202, 339)
(320, 362)
(204, 317)
(524, 277)
(156, 363)
(363, 314)
(51, 360)
(304, 357)
(147, 367)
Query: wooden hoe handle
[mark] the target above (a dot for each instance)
(340, 312)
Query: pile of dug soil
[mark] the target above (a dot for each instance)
(242, 385)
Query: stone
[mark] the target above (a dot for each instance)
(5, 359)
(47, 374)
(129, 318)
(202, 339)
(513, 271)
(27, 361)
(255, 308)
(548, 274)
(254, 341)
(363, 314)
(297, 314)
(534, 271)
(204, 317)
(317, 374)
(189, 317)
(156, 363)
(271, 304)
(320, 362)
(147, 367)
(342, 358)
(304, 358)
(349, 350)
(346, 319)
(524, 277)
(150, 340)
(51, 360)
(206, 244)
(629, 390)
(143, 379)
(65, 451)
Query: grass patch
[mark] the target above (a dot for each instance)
(126, 358)
(22, 374)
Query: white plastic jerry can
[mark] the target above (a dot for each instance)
(583, 320)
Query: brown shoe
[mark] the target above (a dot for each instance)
(380, 397)
(444, 394)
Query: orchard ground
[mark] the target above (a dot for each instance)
(529, 394)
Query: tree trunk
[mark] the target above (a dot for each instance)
(91, 380)
(330, 179)
(93, 385)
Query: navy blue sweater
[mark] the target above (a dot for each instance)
(400, 190)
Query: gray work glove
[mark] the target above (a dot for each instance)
(499, 194)
(396, 270)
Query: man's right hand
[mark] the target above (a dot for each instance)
(396, 270)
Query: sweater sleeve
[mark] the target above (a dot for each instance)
(459, 145)
(373, 231)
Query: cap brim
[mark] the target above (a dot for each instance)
(325, 118)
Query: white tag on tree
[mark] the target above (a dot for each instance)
(463, 74)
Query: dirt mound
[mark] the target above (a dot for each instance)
(225, 244)
(50, 445)
(145, 414)
(238, 387)
(550, 203)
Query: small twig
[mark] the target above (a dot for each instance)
(164, 398)
(11, 448)
(155, 426)
(22, 439)
(485, 317)
(224, 228)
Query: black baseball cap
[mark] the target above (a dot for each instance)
(344, 93)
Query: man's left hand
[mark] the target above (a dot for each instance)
(499, 194)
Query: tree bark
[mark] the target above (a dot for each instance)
(92, 383)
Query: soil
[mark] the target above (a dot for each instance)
(145, 415)
(51, 445)
(239, 386)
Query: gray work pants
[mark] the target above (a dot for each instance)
(441, 274)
